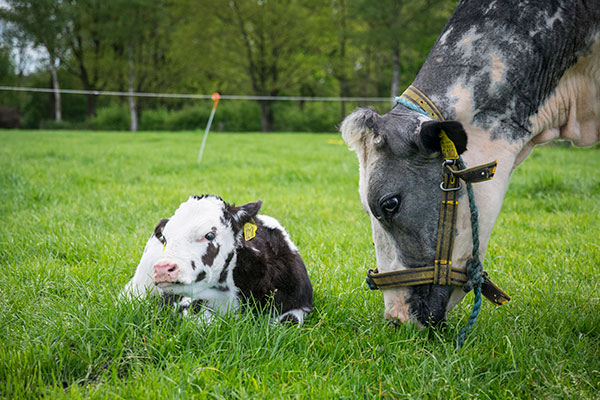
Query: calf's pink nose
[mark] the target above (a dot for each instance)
(165, 272)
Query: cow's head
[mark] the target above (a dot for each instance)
(400, 168)
(200, 242)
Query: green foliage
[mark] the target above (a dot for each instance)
(114, 117)
(188, 118)
(308, 48)
(78, 207)
(237, 116)
(244, 116)
(312, 117)
(154, 120)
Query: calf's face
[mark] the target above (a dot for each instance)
(200, 242)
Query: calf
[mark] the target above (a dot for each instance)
(211, 256)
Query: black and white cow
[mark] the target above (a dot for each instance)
(514, 74)
(215, 257)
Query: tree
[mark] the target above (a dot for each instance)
(346, 53)
(341, 64)
(276, 43)
(404, 30)
(87, 24)
(266, 47)
(42, 22)
(140, 43)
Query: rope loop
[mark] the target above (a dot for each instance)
(474, 274)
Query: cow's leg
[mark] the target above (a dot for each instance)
(295, 316)
(142, 283)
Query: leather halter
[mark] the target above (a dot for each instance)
(442, 272)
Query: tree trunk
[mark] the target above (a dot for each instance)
(92, 101)
(266, 116)
(56, 89)
(133, 125)
(396, 72)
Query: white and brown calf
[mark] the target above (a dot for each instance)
(200, 259)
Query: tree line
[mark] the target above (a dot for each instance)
(345, 48)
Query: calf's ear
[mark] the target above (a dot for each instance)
(429, 137)
(159, 229)
(241, 214)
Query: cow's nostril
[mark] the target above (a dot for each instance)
(172, 268)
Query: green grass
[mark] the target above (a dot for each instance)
(76, 209)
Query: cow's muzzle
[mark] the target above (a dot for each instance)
(166, 273)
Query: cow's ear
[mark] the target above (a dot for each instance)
(241, 214)
(429, 137)
(364, 121)
(158, 229)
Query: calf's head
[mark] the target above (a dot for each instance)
(200, 242)
(400, 170)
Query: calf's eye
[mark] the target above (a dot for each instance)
(210, 236)
(390, 205)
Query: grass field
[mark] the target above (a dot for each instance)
(76, 209)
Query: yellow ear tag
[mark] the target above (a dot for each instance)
(249, 230)
(448, 149)
(164, 245)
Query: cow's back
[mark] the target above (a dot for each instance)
(507, 58)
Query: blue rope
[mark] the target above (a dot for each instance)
(474, 266)
(411, 106)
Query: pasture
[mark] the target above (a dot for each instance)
(78, 207)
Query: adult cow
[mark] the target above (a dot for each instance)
(503, 77)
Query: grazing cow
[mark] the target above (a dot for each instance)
(211, 256)
(503, 77)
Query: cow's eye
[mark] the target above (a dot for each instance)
(389, 206)
(210, 236)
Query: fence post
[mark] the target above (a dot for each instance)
(216, 97)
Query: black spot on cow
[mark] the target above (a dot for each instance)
(204, 196)
(170, 299)
(158, 230)
(201, 276)
(223, 275)
(211, 252)
(224, 220)
(197, 305)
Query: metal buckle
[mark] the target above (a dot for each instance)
(446, 162)
(450, 189)
(444, 165)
